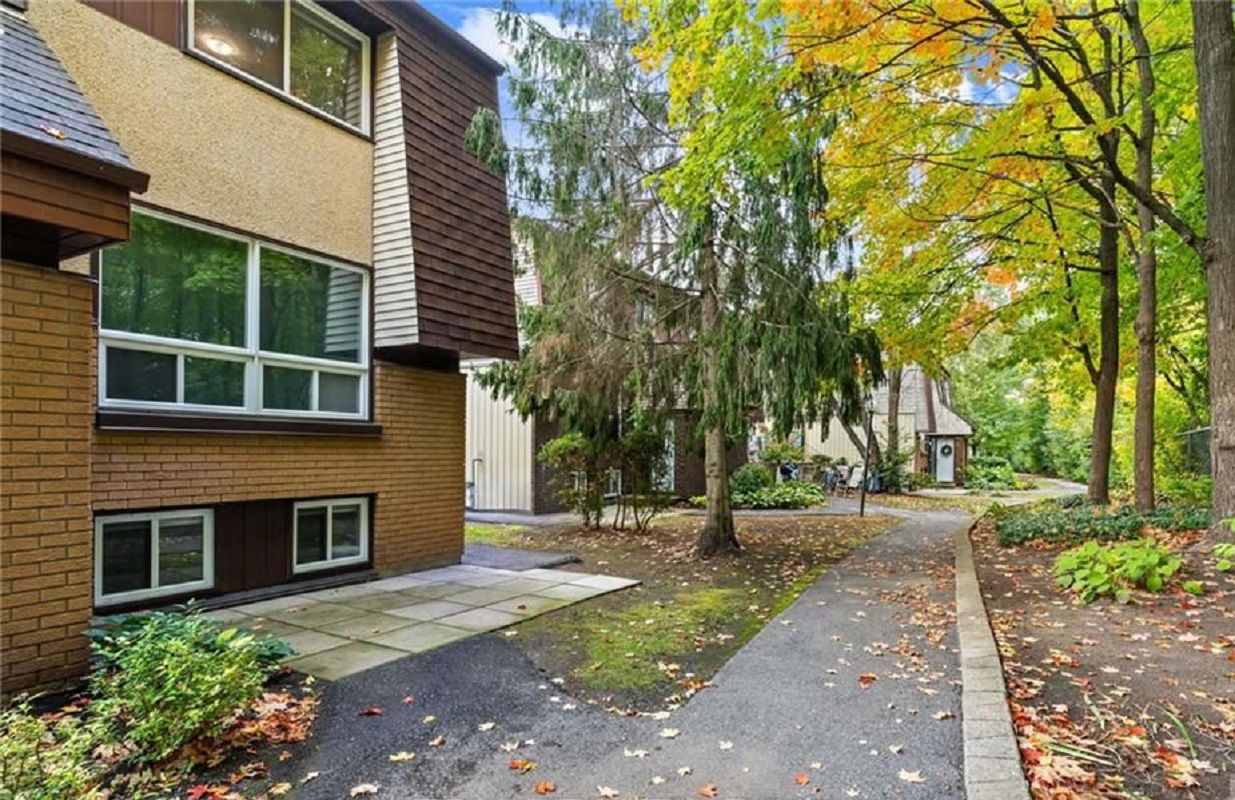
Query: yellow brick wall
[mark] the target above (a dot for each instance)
(46, 406)
(415, 468)
(55, 467)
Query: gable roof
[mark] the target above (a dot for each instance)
(929, 402)
(44, 114)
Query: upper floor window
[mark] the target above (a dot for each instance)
(203, 320)
(292, 46)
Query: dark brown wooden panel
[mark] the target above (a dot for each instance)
(162, 19)
(460, 219)
(253, 545)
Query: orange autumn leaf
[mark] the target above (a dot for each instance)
(545, 787)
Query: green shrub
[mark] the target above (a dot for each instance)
(46, 759)
(990, 472)
(1052, 522)
(1186, 490)
(750, 478)
(790, 494)
(164, 679)
(782, 452)
(1095, 570)
(921, 480)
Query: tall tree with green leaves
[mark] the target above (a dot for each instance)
(723, 301)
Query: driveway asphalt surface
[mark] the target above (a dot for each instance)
(791, 703)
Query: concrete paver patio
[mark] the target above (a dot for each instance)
(341, 631)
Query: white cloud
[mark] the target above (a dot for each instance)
(479, 26)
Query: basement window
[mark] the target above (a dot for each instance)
(140, 556)
(293, 47)
(330, 533)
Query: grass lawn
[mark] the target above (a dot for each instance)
(649, 647)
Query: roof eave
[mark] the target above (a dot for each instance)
(48, 152)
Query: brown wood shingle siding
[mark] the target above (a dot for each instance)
(460, 221)
(162, 19)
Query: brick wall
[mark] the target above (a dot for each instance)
(56, 467)
(689, 477)
(415, 468)
(46, 403)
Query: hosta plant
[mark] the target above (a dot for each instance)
(1095, 570)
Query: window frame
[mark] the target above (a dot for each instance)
(251, 354)
(330, 563)
(284, 92)
(154, 518)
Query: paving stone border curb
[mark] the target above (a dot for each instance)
(992, 757)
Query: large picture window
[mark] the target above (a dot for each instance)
(292, 46)
(201, 320)
(139, 556)
(331, 533)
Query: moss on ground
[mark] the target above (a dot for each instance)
(496, 535)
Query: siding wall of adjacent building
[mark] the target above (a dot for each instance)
(499, 451)
(46, 406)
(835, 443)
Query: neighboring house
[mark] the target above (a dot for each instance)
(259, 390)
(503, 473)
(937, 436)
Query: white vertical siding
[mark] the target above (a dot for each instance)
(835, 443)
(498, 449)
(394, 276)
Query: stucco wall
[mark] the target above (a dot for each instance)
(214, 146)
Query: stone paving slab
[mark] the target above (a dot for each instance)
(347, 629)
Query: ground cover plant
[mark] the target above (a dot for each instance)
(1094, 570)
(1114, 700)
(170, 691)
(1076, 522)
(650, 647)
(754, 487)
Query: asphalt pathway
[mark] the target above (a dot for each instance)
(792, 705)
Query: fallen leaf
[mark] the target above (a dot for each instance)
(683, 771)
(707, 790)
(408, 700)
(634, 753)
(657, 780)
(895, 749)
(437, 742)
(725, 745)
(521, 764)
(670, 733)
(402, 755)
(605, 791)
(942, 715)
(801, 779)
(363, 788)
(911, 777)
(428, 719)
(545, 787)
(486, 726)
(508, 747)
(280, 788)
(372, 711)
(866, 679)
(308, 776)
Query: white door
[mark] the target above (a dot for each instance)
(945, 460)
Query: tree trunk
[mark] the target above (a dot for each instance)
(1147, 273)
(894, 409)
(717, 535)
(1108, 359)
(1214, 50)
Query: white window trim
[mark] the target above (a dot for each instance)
(285, 93)
(154, 518)
(329, 505)
(251, 354)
